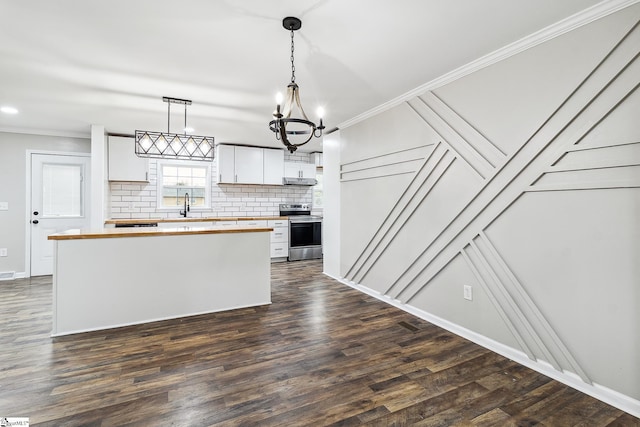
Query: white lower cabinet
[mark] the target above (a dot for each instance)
(279, 239)
(254, 223)
(225, 223)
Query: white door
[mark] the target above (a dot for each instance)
(58, 202)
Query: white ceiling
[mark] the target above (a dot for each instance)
(67, 64)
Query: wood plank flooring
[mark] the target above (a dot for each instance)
(321, 354)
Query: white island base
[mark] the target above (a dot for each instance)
(102, 282)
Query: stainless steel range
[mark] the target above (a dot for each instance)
(305, 232)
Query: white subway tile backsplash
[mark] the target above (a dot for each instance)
(136, 200)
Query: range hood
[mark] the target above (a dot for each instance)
(299, 181)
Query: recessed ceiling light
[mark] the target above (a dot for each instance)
(9, 110)
(188, 129)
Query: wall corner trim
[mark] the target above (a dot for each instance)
(593, 13)
(600, 392)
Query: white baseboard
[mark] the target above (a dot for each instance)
(600, 392)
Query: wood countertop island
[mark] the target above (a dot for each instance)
(108, 233)
(113, 277)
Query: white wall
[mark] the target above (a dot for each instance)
(331, 221)
(13, 152)
(138, 200)
(521, 180)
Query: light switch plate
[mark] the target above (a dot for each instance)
(3, 251)
(4, 206)
(468, 292)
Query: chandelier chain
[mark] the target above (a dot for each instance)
(293, 67)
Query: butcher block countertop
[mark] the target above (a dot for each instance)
(188, 219)
(108, 233)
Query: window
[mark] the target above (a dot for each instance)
(176, 179)
(61, 190)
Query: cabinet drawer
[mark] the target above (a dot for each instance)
(278, 223)
(279, 250)
(253, 223)
(280, 234)
(225, 223)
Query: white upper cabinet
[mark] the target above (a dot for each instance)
(273, 166)
(225, 158)
(299, 170)
(124, 165)
(316, 158)
(249, 165)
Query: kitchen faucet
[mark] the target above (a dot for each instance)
(187, 206)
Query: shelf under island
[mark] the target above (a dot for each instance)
(111, 277)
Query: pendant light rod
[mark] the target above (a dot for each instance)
(170, 101)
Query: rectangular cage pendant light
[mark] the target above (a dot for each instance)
(165, 145)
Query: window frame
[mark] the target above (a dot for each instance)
(182, 163)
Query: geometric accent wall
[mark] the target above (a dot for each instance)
(521, 180)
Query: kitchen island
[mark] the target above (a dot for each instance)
(115, 277)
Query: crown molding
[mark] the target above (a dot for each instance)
(45, 132)
(593, 13)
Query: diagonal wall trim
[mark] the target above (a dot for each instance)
(382, 166)
(612, 80)
(481, 144)
(430, 163)
(378, 176)
(458, 144)
(497, 305)
(391, 229)
(606, 7)
(580, 186)
(390, 164)
(577, 148)
(514, 312)
(407, 193)
(535, 317)
(392, 153)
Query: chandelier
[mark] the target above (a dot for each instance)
(285, 125)
(172, 145)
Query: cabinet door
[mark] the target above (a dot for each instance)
(124, 165)
(249, 165)
(308, 170)
(273, 166)
(226, 164)
(292, 170)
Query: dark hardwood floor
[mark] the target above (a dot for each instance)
(321, 354)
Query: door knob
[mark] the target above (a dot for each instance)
(36, 212)
(35, 221)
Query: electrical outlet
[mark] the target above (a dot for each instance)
(3, 251)
(468, 292)
(4, 206)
